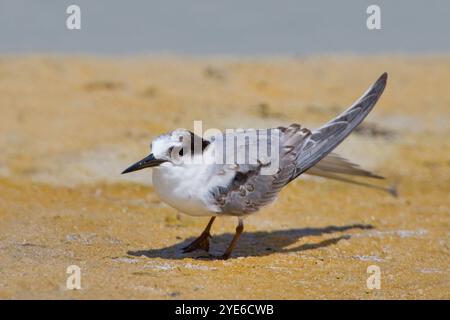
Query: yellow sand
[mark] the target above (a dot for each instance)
(69, 125)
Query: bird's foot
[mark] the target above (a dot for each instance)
(225, 256)
(202, 242)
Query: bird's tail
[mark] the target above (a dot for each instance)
(335, 167)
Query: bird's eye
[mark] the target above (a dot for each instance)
(180, 152)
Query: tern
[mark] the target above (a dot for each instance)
(209, 188)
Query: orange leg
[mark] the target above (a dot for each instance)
(202, 242)
(233, 243)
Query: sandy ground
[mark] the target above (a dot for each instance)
(69, 125)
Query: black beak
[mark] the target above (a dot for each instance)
(147, 162)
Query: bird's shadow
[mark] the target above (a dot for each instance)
(259, 243)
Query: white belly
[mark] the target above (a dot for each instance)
(184, 188)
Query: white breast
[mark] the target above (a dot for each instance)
(186, 188)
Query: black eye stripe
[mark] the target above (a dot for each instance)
(180, 152)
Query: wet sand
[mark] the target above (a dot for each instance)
(70, 125)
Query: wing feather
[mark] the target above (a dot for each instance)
(250, 190)
(324, 139)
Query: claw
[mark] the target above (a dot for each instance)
(202, 242)
(225, 256)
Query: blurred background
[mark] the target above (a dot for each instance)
(202, 27)
(78, 106)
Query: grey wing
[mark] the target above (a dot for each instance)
(250, 189)
(324, 139)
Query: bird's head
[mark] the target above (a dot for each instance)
(172, 147)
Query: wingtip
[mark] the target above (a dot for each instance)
(381, 82)
(376, 176)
